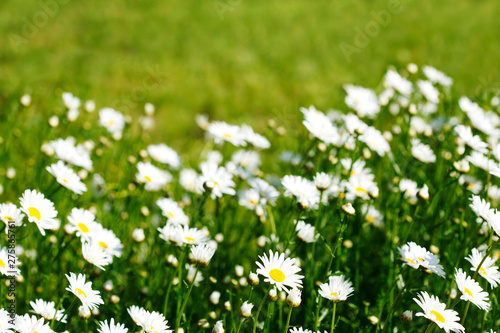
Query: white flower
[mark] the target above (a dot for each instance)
(364, 101)
(266, 191)
(436, 311)
(473, 141)
(10, 214)
(47, 310)
(481, 161)
(294, 297)
(320, 126)
(255, 139)
(164, 154)
(430, 93)
(8, 262)
(171, 210)
(397, 82)
(217, 180)
(249, 198)
(153, 178)
(471, 290)
(104, 327)
(222, 131)
(107, 241)
(188, 178)
(66, 150)
(112, 120)
(89, 298)
(306, 232)
(375, 141)
(422, 152)
(337, 289)
(27, 324)
(202, 254)
(83, 222)
(436, 76)
(150, 322)
(415, 256)
(279, 271)
(322, 181)
(246, 309)
(94, 254)
(5, 321)
(488, 270)
(67, 177)
(218, 327)
(304, 190)
(39, 210)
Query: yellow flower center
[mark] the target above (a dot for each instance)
(102, 244)
(333, 294)
(482, 271)
(170, 215)
(110, 122)
(360, 189)
(468, 292)
(277, 275)
(83, 228)
(35, 213)
(65, 181)
(148, 179)
(353, 173)
(80, 292)
(253, 202)
(8, 218)
(189, 239)
(470, 186)
(2, 263)
(411, 260)
(439, 317)
(370, 218)
(227, 136)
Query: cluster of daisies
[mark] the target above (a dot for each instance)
(387, 147)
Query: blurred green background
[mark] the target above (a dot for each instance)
(237, 60)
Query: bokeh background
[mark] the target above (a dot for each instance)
(236, 60)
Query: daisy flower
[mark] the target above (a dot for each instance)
(47, 310)
(416, 256)
(10, 214)
(299, 330)
(373, 216)
(265, 190)
(322, 181)
(93, 253)
(112, 120)
(171, 210)
(190, 236)
(481, 161)
(5, 322)
(360, 186)
(364, 101)
(30, 324)
(67, 177)
(320, 126)
(244, 164)
(164, 154)
(279, 271)
(201, 254)
(481, 207)
(337, 289)
(107, 241)
(39, 210)
(471, 184)
(150, 322)
(83, 222)
(397, 82)
(189, 179)
(473, 141)
(471, 290)
(422, 152)
(435, 76)
(306, 232)
(6, 266)
(104, 327)
(488, 270)
(153, 178)
(66, 150)
(257, 140)
(221, 131)
(249, 198)
(375, 141)
(217, 180)
(303, 189)
(430, 93)
(89, 298)
(436, 311)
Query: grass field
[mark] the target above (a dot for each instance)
(374, 206)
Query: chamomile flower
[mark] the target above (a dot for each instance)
(190, 236)
(221, 131)
(153, 177)
(9, 213)
(257, 140)
(112, 120)
(375, 141)
(488, 270)
(304, 190)
(322, 181)
(104, 327)
(471, 290)
(306, 232)
(94, 254)
(66, 150)
(416, 256)
(279, 271)
(30, 324)
(189, 179)
(107, 241)
(201, 254)
(217, 180)
(171, 210)
(435, 76)
(422, 152)
(67, 177)
(164, 154)
(249, 198)
(39, 210)
(473, 141)
(47, 310)
(320, 126)
(83, 222)
(299, 330)
(90, 298)
(471, 184)
(8, 262)
(5, 322)
(394, 80)
(436, 311)
(481, 161)
(150, 322)
(337, 289)
(266, 191)
(430, 93)
(364, 101)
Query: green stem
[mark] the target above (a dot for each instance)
(288, 319)
(165, 304)
(183, 307)
(256, 319)
(465, 313)
(430, 328)
(333, 316)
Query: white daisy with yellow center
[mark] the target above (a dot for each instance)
(8, 263)
(337, 289)
(112, 327)
(471, 290)
(152, 177)
(9, 214)
(436, 311)
(488, 270)
(47, 310)
(82, 222)
(90, 298)
(39, 210)
(171, 210)
(67, 177)
(280, 271)
(150, 322)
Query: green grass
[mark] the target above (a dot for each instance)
(259, 59)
